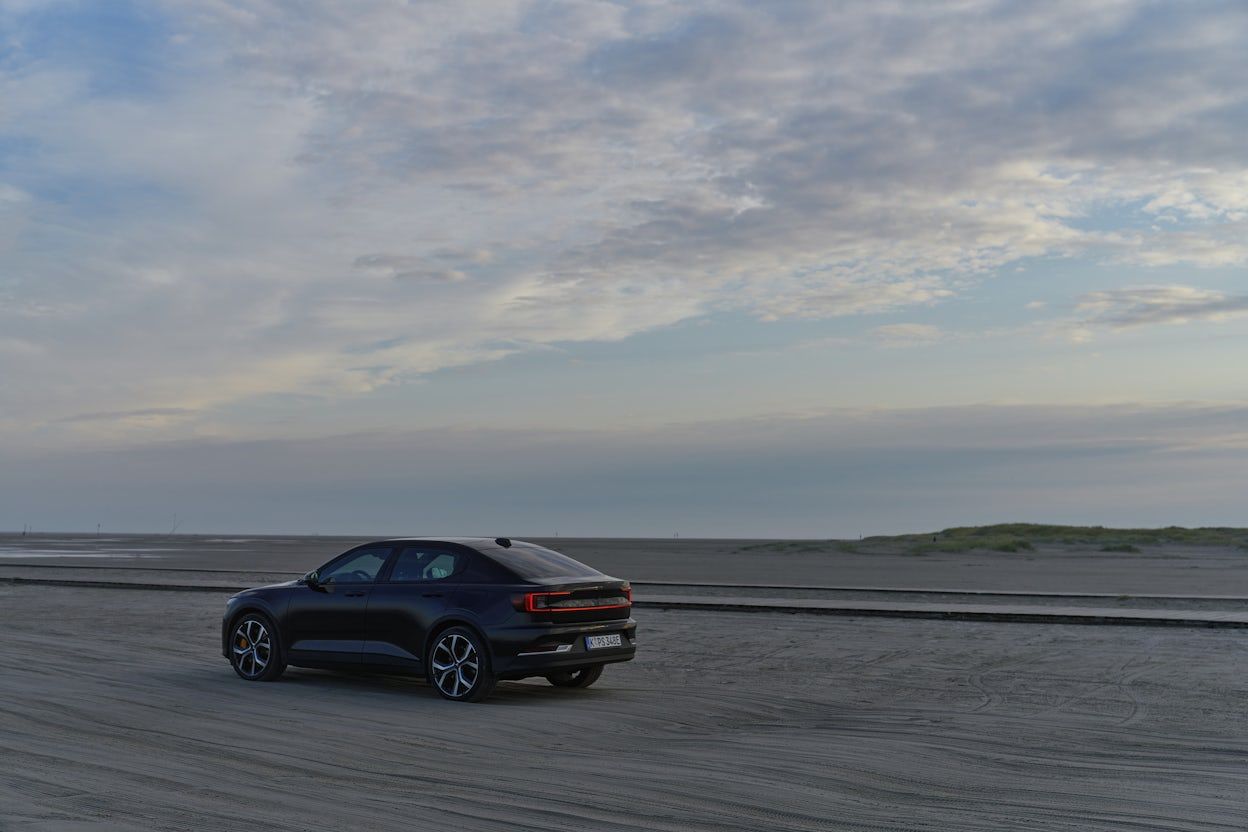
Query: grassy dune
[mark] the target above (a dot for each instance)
(1019, 537)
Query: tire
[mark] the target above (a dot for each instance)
(256, 650)
(459, 666)
(580, 678)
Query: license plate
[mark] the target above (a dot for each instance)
(598, 642)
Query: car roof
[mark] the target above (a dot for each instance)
(474, 542)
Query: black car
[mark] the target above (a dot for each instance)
(463, 611)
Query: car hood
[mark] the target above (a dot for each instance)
(255, 589)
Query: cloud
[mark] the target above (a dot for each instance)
(1148, 305)
(403, 267)
(11, 196)
(909, 335)
(837, 473)
(151, 413)
(19, 348)
(275, 187)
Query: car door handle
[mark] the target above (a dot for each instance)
(433, 594)
(354, 594)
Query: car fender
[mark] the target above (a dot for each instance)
(458, 615)
(239, 605)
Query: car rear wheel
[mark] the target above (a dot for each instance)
(255, 651)
(459, 666)
(581, 678)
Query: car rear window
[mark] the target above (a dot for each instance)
(529, 561)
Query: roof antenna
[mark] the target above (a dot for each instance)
(503, 541)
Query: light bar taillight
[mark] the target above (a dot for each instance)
(564, 602)
(540, 601)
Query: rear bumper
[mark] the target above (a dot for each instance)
(525, 650)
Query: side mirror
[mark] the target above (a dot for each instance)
(312, 579)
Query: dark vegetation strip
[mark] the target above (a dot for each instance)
(1017, 537)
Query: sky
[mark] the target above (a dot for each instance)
(774, 269)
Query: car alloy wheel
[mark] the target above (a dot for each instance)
(458, 667)
(253, 648)
(255, 653)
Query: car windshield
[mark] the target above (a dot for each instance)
(529, 561)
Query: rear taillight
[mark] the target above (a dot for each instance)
(564, 602)
(540, 601)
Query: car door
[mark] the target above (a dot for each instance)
(326, 620)
(418, 586)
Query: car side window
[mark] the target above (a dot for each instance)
(359, 567)
(416, 563)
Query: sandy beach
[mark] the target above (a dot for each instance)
(119, 713)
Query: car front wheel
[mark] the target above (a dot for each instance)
(255, 652)
(459, 666)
